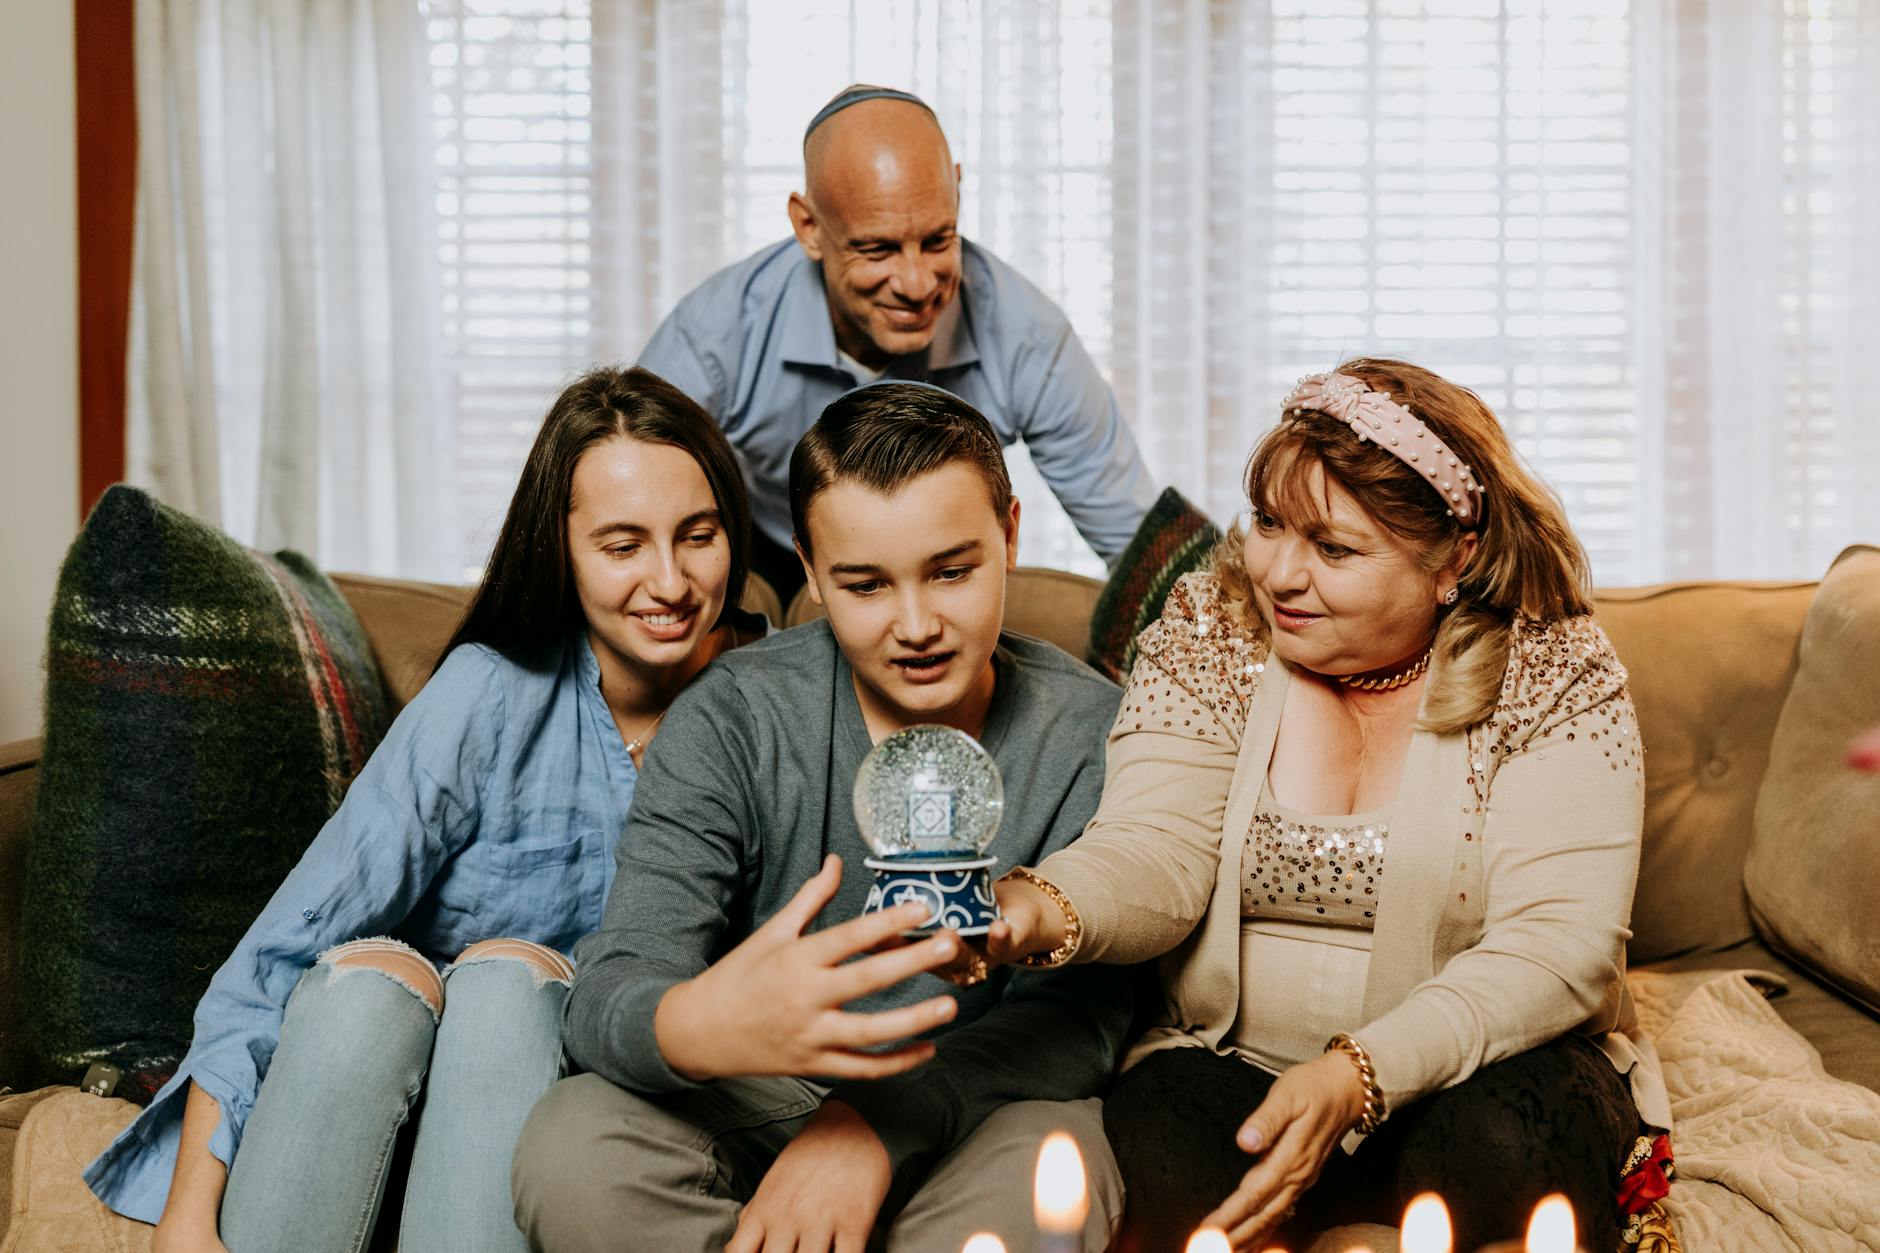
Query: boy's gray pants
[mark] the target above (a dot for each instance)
(600, 1168)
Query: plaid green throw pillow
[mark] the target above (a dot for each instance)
(1174, 538)
(206, 707)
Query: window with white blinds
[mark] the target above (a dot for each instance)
(511, 93)
(1521, 194)
(1454, 183)
(532, 263)
(1024, 92)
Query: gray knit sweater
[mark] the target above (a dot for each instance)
(744, 792)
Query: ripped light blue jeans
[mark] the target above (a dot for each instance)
(358, 1045)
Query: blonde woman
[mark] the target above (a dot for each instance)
(1376, 782)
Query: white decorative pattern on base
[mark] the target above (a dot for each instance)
(958, 894)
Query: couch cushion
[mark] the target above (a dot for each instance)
(407, 624)
(1846, 1036)
(1710, 665)
(1051, 605)
(761, 598)
(1814, 859)
(206, 707)
(1174, 538)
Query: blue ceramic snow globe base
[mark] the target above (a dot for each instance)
(928, 801)
(957, 893)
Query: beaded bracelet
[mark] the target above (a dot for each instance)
(1073, 926)
(1374, 1113)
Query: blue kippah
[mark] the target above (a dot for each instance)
(855, 95)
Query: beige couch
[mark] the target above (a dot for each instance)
(1711, 664)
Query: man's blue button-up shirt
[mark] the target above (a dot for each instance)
(755, 346)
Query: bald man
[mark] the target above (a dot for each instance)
(876, 282)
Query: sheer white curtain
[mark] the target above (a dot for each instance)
(1767, 227)
(1024, 92)
(286, 361)
(1647, 233)
(581, 166)
(598, 158)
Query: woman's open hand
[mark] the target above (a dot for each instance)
(1306, 1113)
(1029, 922)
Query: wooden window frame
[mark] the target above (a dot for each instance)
(105, 73)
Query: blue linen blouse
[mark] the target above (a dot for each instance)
(491, 809)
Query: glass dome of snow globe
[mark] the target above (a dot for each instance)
(928, 792)
(928, 801)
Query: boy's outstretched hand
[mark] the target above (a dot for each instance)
(773, 1005)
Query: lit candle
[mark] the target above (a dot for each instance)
(1060, 1200)
(983, 1242)
(1426, 1226)
(1551, 1229)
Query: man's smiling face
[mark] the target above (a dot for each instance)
(881, 215)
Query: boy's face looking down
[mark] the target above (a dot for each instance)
(914, 584)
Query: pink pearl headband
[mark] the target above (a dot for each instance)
(1375, 417)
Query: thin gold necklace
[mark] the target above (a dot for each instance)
(1385, 682)
(638, 742)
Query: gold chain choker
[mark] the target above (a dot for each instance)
(1385, 682)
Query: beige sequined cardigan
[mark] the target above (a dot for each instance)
(1514, 848)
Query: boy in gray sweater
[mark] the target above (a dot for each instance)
(761, 1073)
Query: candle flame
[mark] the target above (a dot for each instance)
(1059, 1200)
(983, 1242)
(1209, 1240)
(1551, 1229)
(1426, 1225)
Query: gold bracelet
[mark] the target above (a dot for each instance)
(1374, 1113)
(1073, 926)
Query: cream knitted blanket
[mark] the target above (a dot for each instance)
(1773, 1154)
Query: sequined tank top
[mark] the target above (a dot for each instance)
(1302, 868)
